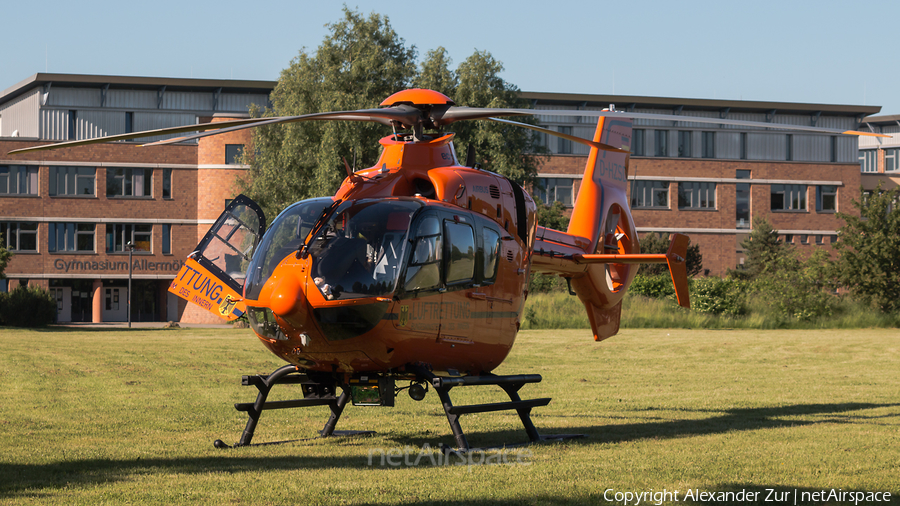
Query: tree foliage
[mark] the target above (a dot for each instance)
(5, 255)
(552, 216)
(869, 246)
(763, 248)
(361, 62)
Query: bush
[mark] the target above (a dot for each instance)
(655, 286)
(28, 307)
(725, 296)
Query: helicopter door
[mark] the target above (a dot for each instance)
(213, 274)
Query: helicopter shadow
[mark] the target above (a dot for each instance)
(23, 479)
(738, 419)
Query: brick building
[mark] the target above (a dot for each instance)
(710, 181)
(69, 214)
(879, 158)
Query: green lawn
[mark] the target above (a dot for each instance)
(117, 417)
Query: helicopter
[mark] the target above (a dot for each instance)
(416, 270)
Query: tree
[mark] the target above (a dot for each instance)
(869, 247)
(656, 243)
(5, 255)
(552, 216)
(763, 250)
(360, 63)
(501, 148)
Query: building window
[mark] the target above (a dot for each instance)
(167, 184)
(233, 153)
(696, 195)
(660, 138)
(744, 144)
(550, 190)
(166, 239)
(820, 239)
(18, 180)
(826, 198)
(788, 197)
(73, 124)
(129, 122)
(804, 239)
(834, 151)
(128, 182)
(77, 237)
(637, 142)
(891, 159)
(119, 235)
(684, 144)
(789, 147)
(650, 194)
(72, 181)
(564, 146)
(19, 237)
(707, 144)
(868, 160)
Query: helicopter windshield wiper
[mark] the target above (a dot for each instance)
(314, 231)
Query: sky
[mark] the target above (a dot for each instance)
(820, 51)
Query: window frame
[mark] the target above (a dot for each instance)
(127, 175)
(661, 143)
(788, 193)
(821, 194)
(868, 161)
(128, 232)
(74, 173)
(546, 189)
(694, 191)
(12, 234)
(27, 182)
(71, 233)
(707, 144)
(232, 153)
(685, 144)
(654, 187)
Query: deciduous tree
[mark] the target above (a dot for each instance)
(869, 246)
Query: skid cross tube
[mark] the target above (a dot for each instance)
(509, 384)
(286, 375)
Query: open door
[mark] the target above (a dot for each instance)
(213, 274)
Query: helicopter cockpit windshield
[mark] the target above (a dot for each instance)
(284, 237)
(359, 250)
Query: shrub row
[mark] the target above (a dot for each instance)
(27, 307)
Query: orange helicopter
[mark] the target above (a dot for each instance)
(417, 269)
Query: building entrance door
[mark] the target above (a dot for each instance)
(63, 298)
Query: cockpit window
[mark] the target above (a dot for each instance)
(284, 237)
(424, 272)
(358, 252)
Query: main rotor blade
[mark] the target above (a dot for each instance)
(467, 113)
(402, 114)
(344, 116)
(598, 145)
(138, 135)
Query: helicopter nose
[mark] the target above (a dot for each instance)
(286, 296)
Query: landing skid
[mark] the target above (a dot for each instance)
(511, 385)
(315, 394)
(318, 393)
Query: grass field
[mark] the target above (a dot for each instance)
(119, 417)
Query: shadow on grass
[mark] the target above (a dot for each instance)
(32, 480)
(733, 420)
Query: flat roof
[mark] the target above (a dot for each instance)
(639, 102)
(136, 83)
